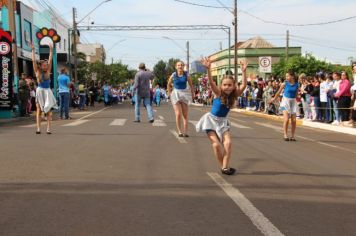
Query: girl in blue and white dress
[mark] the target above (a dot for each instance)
(181, 95)
(215, 123)
(45, 100)
(289, 103)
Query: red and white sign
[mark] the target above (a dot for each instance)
(4, 48)
(265, 64)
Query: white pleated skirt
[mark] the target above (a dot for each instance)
(46, 99)
(289, 105)
(181, 95)
(209, 122)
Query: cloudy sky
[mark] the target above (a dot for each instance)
(332, 42)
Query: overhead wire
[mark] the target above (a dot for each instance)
(273, 22)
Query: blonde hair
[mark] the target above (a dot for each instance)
(228, 100)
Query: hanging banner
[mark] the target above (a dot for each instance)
(6, 74)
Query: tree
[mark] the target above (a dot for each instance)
(83, 68)
(195, 78)
(171, 66)
(114, 74)
(160, 73)
(308, 65)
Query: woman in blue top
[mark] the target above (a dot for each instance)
(215, 123)
(181, 96)
(289, 103)
(45, 100)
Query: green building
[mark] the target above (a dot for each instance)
(249, 51)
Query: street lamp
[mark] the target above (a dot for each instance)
(75, 36)
(185, 50)
(118, 42)
(93, 10)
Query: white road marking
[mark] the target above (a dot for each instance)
(238, 120)
(341, 148)
(161, 117)
(180, 139)
(308, 139)
(193, 122)
(118, 122)
(76, 123)
(32, 125)
(258, 219)
(233, 124)
(160, 123)
(269, 126)
(93, 113)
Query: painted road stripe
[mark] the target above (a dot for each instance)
(76, 123)
(258, 219)
(341, 148)
(238, 120)
(175, 134)
(233, 124)
(93, 113)
(160, 123)
(118, 122)
(193, 122)
(269, 126)
(33, 125)
(161, 117)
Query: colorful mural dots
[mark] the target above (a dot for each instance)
(45, 35)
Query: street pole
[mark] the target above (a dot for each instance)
(188, 57)
(75, 77)
(12, 28)
(235, 45)
(229, 49)
(287, 45)
(69, 61)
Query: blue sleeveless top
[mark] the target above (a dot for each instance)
(45, 82)
(180, 82)
(290, 91)
(219, 109)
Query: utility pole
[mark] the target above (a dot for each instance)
(75, 55)
(235, 45)
(188, 57)
(287, 45)
(12, 27)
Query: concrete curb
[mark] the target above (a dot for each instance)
(317, 125)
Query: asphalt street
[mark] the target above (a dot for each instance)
(102, 174)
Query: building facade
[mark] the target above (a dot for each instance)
(93, 51)
(248, 51)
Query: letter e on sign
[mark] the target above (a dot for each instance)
(4, 48)
(265, 64)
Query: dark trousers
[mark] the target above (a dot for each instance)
(325, 112)
(64, 104)
(23, 105)
(344, 105)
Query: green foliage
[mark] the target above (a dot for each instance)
(114, 74)
(195, 78)
(162, 70)
(160, 73)
(171, 66)
(308, 65)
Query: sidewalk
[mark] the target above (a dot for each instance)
(301, 122)
(317, 125)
